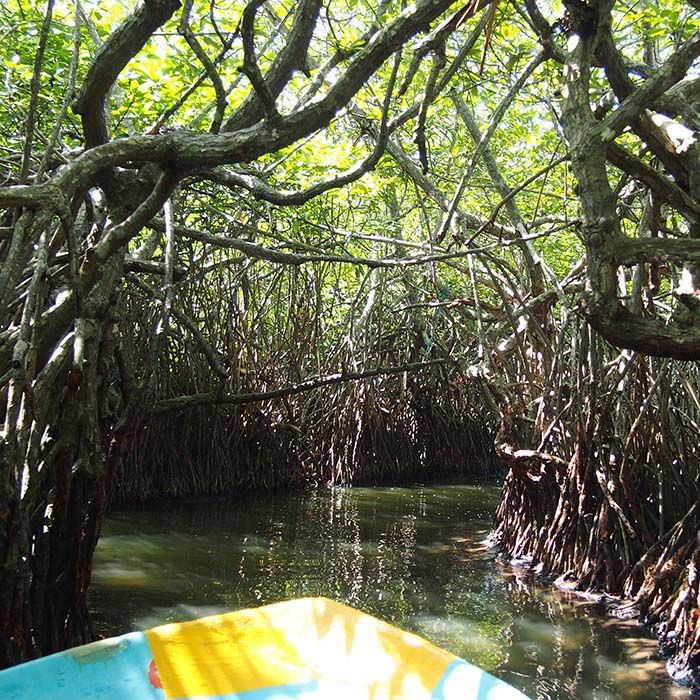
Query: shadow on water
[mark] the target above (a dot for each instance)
(411, 556)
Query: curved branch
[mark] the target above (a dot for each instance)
(184, 150)
(250, 66)
(260, 252)
(261, 190)
(123, 44)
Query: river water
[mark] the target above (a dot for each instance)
(412, 556)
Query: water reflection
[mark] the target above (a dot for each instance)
(412, 556)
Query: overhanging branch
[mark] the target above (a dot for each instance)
(217, 399)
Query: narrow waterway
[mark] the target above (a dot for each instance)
(413, 556)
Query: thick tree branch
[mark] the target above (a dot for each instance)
(634, 113)
(123, 44)
(606, 247)
(99, 263)
(290, 59)
(184, 150)
(663, 78)
(683, 100)
(119, 235)
(634, 251)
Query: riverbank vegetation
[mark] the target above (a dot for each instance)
(254, 245)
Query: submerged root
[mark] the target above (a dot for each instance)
(665, 589)
(585, 543)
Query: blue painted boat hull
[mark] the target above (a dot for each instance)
(306, 649)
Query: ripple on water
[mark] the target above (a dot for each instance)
(412, 556)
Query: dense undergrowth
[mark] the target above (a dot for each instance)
(393, 431)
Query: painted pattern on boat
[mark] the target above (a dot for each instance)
(306, 649)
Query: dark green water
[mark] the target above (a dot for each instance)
(412, 556)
